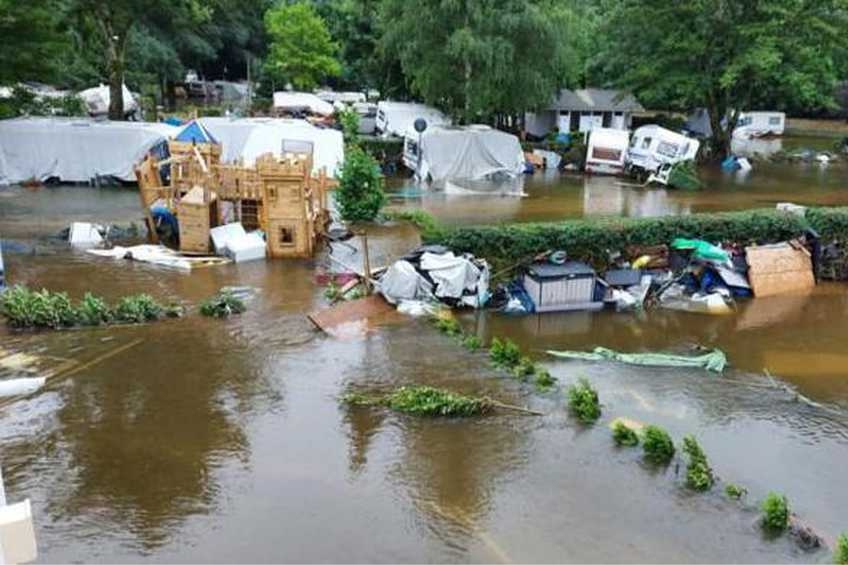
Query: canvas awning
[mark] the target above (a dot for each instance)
(75, 150)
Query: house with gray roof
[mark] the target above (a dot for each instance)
(582, 110)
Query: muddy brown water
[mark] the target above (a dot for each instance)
(223, 441)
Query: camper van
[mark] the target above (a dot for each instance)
(473, 152)
(758, 124)
(395, 118)
(653, 146)
(367, 117)
(606, 150)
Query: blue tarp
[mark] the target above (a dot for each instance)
(195, 132)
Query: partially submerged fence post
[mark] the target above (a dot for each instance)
(366, 259)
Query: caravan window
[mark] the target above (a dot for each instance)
(667, 149)
(646, 143)
(633, 141)
(775, 121)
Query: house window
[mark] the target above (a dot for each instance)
(775, 121)
(646, 143)
(667, 149)
(286, 236)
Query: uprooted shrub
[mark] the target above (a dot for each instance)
(840, 554)
(699, 474)
(735, 491)
(657, 445)
(424, 401)
(544, 380)
(25, 308)
(583, 401)
(448, 326)
(623, 435)
(775, 509)
(222, 305)
(504, 353)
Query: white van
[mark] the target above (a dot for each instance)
(606, 150)
(653, 146)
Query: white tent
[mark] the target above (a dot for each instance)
(302, 102)
(463, 153)
(395, 118)
(652, 146)
(97, 100)
(74, 150)
(246, 139)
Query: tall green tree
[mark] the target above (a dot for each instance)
(300, 50)
(724, 55)
(475, 58)
(31, 40)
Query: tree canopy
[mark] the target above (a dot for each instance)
(300, 49)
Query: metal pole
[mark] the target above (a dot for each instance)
(418, 166)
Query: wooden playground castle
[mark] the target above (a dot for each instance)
(278, 195)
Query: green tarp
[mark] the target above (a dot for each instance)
(701, 249)
(714, 361)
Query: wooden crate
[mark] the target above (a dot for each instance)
(779, 268)
(197, 214)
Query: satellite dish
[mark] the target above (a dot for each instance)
(420, 125)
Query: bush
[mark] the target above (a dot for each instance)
(504, 354)
(472, 342)
(524, 368)
(735, 491)
(424, 221)
(544, 380)
(222, 305)
(840, 554)
(775, 509)
(699, 475)
(360, 194)
(429, 401)
(623, 435)
(449, 326)
(657, 445)
(349, 121)
(94, 311)
(137, 309)
(25, 308)
(583, 402)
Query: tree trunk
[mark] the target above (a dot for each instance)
(170, 95)
(116, 47)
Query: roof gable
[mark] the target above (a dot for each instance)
(596, 100)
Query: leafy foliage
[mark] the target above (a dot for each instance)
(699, 475)
(624, 435)
(735, 491)
(583, 401)
(472, 342)
(222, 305)
(657, 445)
(449, 326)
(504, 353)
(137, 309)
(301, 50)
(93, 311)
(840, 554)
(349, 120)
(428, 225)
(31, 40)
(544, 380)
(425, 401)
(524, 368)
(775, 509)
(360, 194)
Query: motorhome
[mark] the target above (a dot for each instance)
(759, 124)
(476, 152)
(395, 118)
(653, 146)
(606, 150)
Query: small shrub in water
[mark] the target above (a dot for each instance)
(137, 309)
(222, 305)
(429, 401)
(657, 445)
(699, 475)
(735, 491)
(449, 326)
(775, 509)
(94, 311)
(583, 401)
(840, 554)
(332, 292)
(24, 308)
(525, 368)
(472, 342)
(544, 380)
(504, 353)
(623, 435)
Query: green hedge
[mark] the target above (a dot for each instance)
(592, 240)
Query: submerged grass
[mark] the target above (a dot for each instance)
(222, 305)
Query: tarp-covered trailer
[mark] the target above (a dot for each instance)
(301, 103)
(653, 146)
(607, 150)
(75, 150)
(395, 118)
(463, 153)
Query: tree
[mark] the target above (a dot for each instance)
(300, 49)
(723, 55)
(475, 58)
(31, 40)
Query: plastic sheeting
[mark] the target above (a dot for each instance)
(715, 360)
(97, 100)
(302, 101)
(245, 139)
(437, 276)
(473, 153)
(402, 282)
(75, 150)
(395, 118)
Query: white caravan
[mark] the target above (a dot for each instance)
(653, 146)
(395, 118)
(758, 124)
(606, 150)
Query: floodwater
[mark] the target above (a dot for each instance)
(198, 440)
